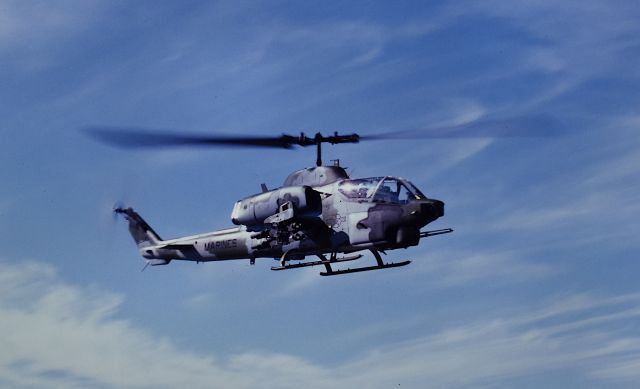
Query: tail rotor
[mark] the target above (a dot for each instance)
(118, 209)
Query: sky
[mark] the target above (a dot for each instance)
(537, 286)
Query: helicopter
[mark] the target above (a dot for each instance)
(318, 212)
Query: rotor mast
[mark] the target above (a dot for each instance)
(319, 149)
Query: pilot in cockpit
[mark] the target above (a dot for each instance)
(386, 195)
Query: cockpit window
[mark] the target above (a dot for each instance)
(416, 192)
(393, 191)
(359, 189)
(381, 190)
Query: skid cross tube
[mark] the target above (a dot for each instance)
(379, 265)
(323, 261)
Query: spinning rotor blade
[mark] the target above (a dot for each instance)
(514, 127)
(138, 138)
(117, 206)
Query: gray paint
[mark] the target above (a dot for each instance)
(325, 219)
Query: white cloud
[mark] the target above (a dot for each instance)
(56, 334)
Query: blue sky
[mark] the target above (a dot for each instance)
(536, 288)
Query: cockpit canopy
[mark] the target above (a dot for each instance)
(381, 190)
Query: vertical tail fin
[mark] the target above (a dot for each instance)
(141, 232)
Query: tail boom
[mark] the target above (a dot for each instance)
(232, 243)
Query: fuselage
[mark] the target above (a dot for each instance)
(329, 213)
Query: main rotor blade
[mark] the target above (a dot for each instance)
(513, 127)
(139, 138)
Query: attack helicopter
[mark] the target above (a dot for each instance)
(318, 212)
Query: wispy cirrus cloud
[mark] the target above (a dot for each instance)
(575, 41)
(29, 31)
(572, 30)
(456, 268)
(595, 197)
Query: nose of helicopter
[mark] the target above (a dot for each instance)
(433, 208)
(429, 210)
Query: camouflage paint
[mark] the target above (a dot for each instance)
(337, 224)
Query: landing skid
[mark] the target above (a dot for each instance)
(333, 260)
(380, 265)
(323, 261)
(366, 268)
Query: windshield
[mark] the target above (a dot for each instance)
(381, 190)
(359, 189)
(415, 190)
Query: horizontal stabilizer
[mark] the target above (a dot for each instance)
(158, 262)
